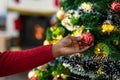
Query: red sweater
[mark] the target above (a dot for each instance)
(12, 62)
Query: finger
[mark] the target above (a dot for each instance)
(73, 39)
(67, 39)
(84, 49)
(79, 38)
(76, 48)
(80, 45)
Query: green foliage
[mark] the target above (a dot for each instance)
(74, 21)
(67, 4)
(52, 71)
(58, 69)
(73, 4)
(90, 21)
(53, 32)
(43, 75)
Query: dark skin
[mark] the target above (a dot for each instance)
(68, 45)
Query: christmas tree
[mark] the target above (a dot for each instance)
(87, 18)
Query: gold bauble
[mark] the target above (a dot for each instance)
(102, 50)
(107, 27)
(99, 52)
(60, 14)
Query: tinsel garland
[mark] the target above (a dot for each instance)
(92, 67)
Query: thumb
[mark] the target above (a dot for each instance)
(84, 49)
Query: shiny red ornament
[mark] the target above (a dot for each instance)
(87, 39)
(33, 78)
(115, 6)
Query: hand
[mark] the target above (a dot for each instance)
(68, 46)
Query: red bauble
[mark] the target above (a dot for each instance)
(115, 6)
(87, 39)
(33, 78)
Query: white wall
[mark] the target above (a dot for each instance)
(33, 5)
(3, 7)
(10, 27)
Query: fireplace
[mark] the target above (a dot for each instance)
(33, 30)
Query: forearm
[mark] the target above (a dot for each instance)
(12, 62)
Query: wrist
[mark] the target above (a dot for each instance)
(55, 51)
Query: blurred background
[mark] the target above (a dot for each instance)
(23, 24)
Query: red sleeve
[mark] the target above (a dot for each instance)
(12, 62)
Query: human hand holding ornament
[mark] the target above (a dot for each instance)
(71, 44)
